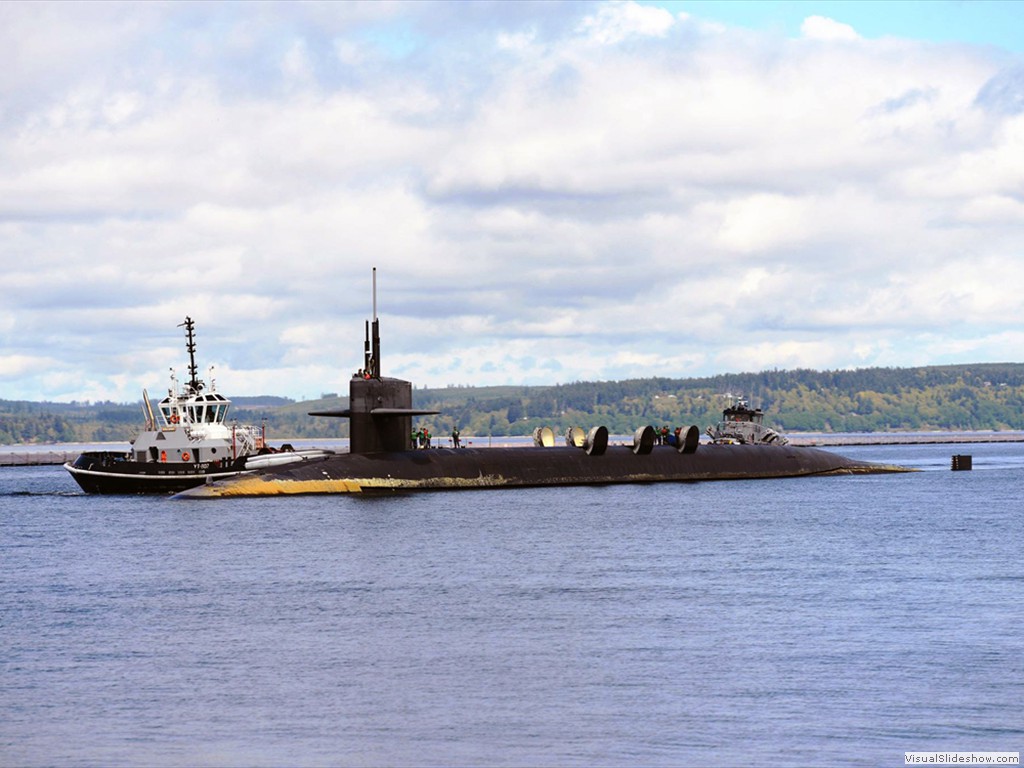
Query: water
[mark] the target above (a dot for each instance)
(784, 622)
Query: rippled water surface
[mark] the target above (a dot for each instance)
(784, 622)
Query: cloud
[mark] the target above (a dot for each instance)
(826, 29)
(616, 21)
(1004, 91)
(596, 191)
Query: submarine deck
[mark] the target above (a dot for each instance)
(472, 468)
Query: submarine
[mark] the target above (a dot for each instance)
(383, 459)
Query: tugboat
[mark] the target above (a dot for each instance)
(744, 425)
(188, 444)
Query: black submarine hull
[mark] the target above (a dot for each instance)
(478, 468)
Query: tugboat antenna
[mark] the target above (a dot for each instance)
(195, 384)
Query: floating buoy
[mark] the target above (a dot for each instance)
(962, 463)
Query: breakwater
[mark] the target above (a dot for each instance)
(30, 455)
(903, 438)
(17, 458)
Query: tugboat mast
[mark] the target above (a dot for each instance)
(195, 385)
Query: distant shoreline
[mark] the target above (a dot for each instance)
(54, 454)
(904, 438)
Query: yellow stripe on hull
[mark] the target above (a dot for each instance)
(254, 485)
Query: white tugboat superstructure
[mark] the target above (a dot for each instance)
(187, 442)
(744, 425)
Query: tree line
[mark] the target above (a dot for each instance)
(956, 398)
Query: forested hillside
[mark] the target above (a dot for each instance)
(975, 397)
(963, 397)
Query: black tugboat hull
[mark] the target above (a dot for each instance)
(477, 468)
(108, 473)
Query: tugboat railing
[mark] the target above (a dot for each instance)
(246, 440)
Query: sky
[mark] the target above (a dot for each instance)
(550, 192)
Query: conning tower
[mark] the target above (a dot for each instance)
(380, 408)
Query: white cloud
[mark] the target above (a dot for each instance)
(296, 63)
(619, 20)
(601, 192)
(762, 222)
(520, 42)
(826, 29)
